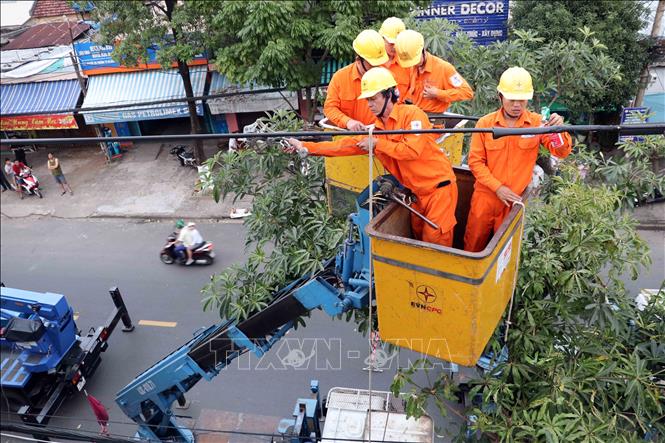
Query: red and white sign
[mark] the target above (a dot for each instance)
(35, 122)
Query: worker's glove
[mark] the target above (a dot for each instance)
(386, 188)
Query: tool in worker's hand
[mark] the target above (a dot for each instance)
(387, 190)
(284, 144)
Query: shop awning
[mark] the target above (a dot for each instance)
(253, 102)
(42, 97)
(140, 87)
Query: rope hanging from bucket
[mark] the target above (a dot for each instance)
(517, 270)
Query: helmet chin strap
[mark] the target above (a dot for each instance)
(386, 97)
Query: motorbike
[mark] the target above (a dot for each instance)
(203, 255)
(184, 155)
(29, 183)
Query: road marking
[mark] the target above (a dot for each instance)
(161, 324)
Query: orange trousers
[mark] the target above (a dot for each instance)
(439, 207)
(486, 214)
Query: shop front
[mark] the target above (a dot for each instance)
(132, 96)
(30, 110)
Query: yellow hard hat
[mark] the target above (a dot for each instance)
(374, 81)
(516, 84)
(409, 46)
(370, 45)
(390, 28)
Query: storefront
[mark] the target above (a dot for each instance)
(29, 110)
(18, 99)
(136, 92)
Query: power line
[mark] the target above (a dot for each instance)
(497, 132)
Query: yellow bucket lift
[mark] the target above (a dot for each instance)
(443, 302)
(346, 177)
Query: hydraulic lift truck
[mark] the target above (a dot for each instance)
(45, 358)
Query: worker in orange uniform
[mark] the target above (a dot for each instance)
(414, 160)
(342, 107)
(503, 167)
(435, 83)
(390, 29)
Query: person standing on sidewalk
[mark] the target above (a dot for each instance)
(7, 180)
(9, 170)
(53, 165)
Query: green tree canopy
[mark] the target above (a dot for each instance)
(616, 24)
(177, 30)
(285, 43)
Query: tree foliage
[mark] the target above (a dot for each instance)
(576, 71)
(285, 43)
(615, 23)
(632, 170)
(290, 232)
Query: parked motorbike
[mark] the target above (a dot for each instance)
(203, 255)
(184, 155)
(29, 183)
(113, 150)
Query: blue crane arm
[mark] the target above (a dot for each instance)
(342, 285)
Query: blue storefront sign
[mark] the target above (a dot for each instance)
(96, 56)
(140, 114)
(484, 21)
(633, 116)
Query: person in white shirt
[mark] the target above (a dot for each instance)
(191, 239)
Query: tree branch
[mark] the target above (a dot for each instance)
(155, 4)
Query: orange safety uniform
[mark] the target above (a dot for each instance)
(442, 75)
(342, 102)
(416, 162)
(402, 76)
(505, 161)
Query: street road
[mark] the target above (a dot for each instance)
(84, 258)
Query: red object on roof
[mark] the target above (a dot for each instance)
(50, 8)
(47, 34)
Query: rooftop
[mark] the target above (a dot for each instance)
(51, 8)
(47, 34)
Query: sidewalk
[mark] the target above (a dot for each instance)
(146, 183)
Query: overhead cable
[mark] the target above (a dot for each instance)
(497, 132)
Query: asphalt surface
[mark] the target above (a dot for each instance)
(84, 258)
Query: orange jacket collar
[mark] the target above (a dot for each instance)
(500, 120)
(393, 116)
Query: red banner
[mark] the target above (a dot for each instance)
(30, 122)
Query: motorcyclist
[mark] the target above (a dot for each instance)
(178, 248)
(191, 239)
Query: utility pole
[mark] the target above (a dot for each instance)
(73, 58)
(655, 31)
(82, 84)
